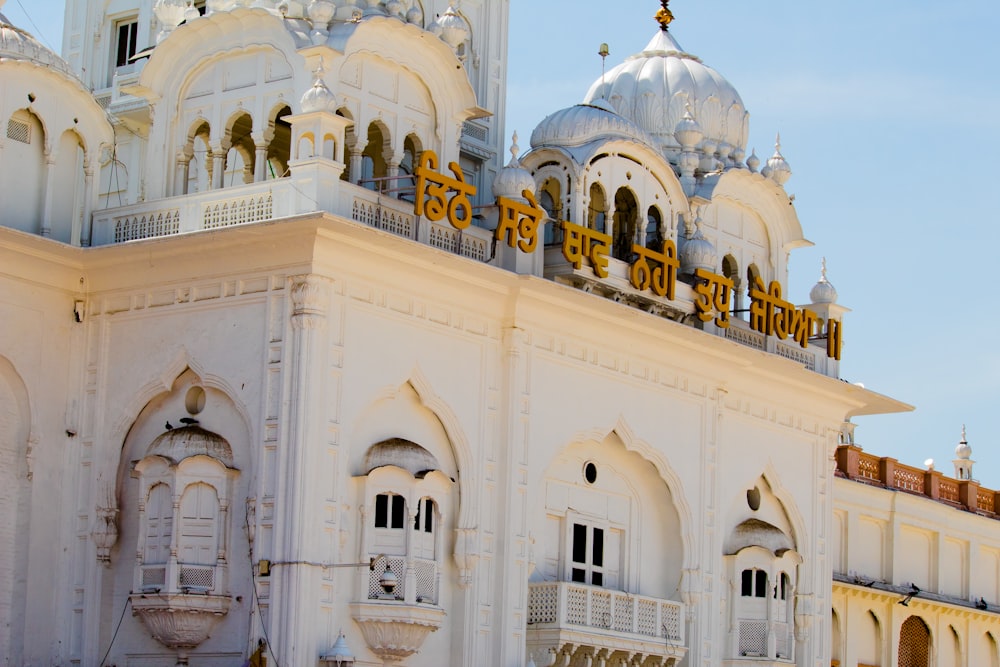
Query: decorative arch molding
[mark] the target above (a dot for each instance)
(454, 433)
(164, 382)
(75, 101)
(632, 443)
(787, 500)
(219, 34)
(438, 68)
(767, 199)
(651, 160)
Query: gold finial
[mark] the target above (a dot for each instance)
(664, 17)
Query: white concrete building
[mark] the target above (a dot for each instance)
(294, 368)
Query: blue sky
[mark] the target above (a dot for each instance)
(888, 116)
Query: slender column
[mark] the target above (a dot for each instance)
(410, 576)
(183, 162)
(50, 187)
(260, 159)
(170, 579)
(357, 162)
(218, 167)
(297, 544)
(88, 205)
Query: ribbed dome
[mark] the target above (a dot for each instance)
(652, 89)
(513, 179)
(583, 123)
(963, 451)
(823, 291)
(697, 252)
(319, 97)
(16, 44)
(183, 443)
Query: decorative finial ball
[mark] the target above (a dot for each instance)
(963, 451)
(823, 291)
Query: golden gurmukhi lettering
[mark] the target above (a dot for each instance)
(662, 276)
(713, 293)
(580, 242)
(772, 315)
(519, 222)
(437, 186)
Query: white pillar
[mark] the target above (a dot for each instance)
(50, 187)
(88, 205)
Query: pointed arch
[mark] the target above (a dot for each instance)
(632, 443)
(457, 441)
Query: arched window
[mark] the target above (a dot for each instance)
(22, 189)
(159, 528)
(200, 165)
(373, 165)
(654, 229)
(914, 643)
(390, 511)
(550, 199)
(597, 213)
(731, 270)
(626, 227)
(279, 149)
(406, 505)
(241, 151)
(405, 185)
(197, 542)
(350, 139)
(754, 584)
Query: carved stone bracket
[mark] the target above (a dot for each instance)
(180, 622)
(310, 298)
(396, 631)
(466, 554)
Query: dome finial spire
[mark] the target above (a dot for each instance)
(664, 16)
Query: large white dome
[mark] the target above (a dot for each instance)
(17, 44)
(654, 87)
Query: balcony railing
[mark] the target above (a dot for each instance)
(889, 473)
(176, 578)
(569, 605)
(426, 580)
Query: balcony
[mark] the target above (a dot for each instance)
(574, 620)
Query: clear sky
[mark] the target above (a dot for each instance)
(889, 114)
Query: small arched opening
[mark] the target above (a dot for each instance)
(240, 151)
(374, 167)
(626, 224)
(654, 235)
(279, 148)
(914, 643)
(597, 211)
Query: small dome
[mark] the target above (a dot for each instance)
(402, 454)
(584, 123)
(17, 44)
(963, 451)
(757, 533)
(453, 29)
(319, 97)
(777, 168)
(688, 132)
(753, 162)
(183, 443)
(698, 252)
(513, 179)
(654, 88)
(823, 291)
(339, 651)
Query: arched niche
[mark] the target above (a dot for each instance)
(631, 505)
(23, 187)
(184, 474)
